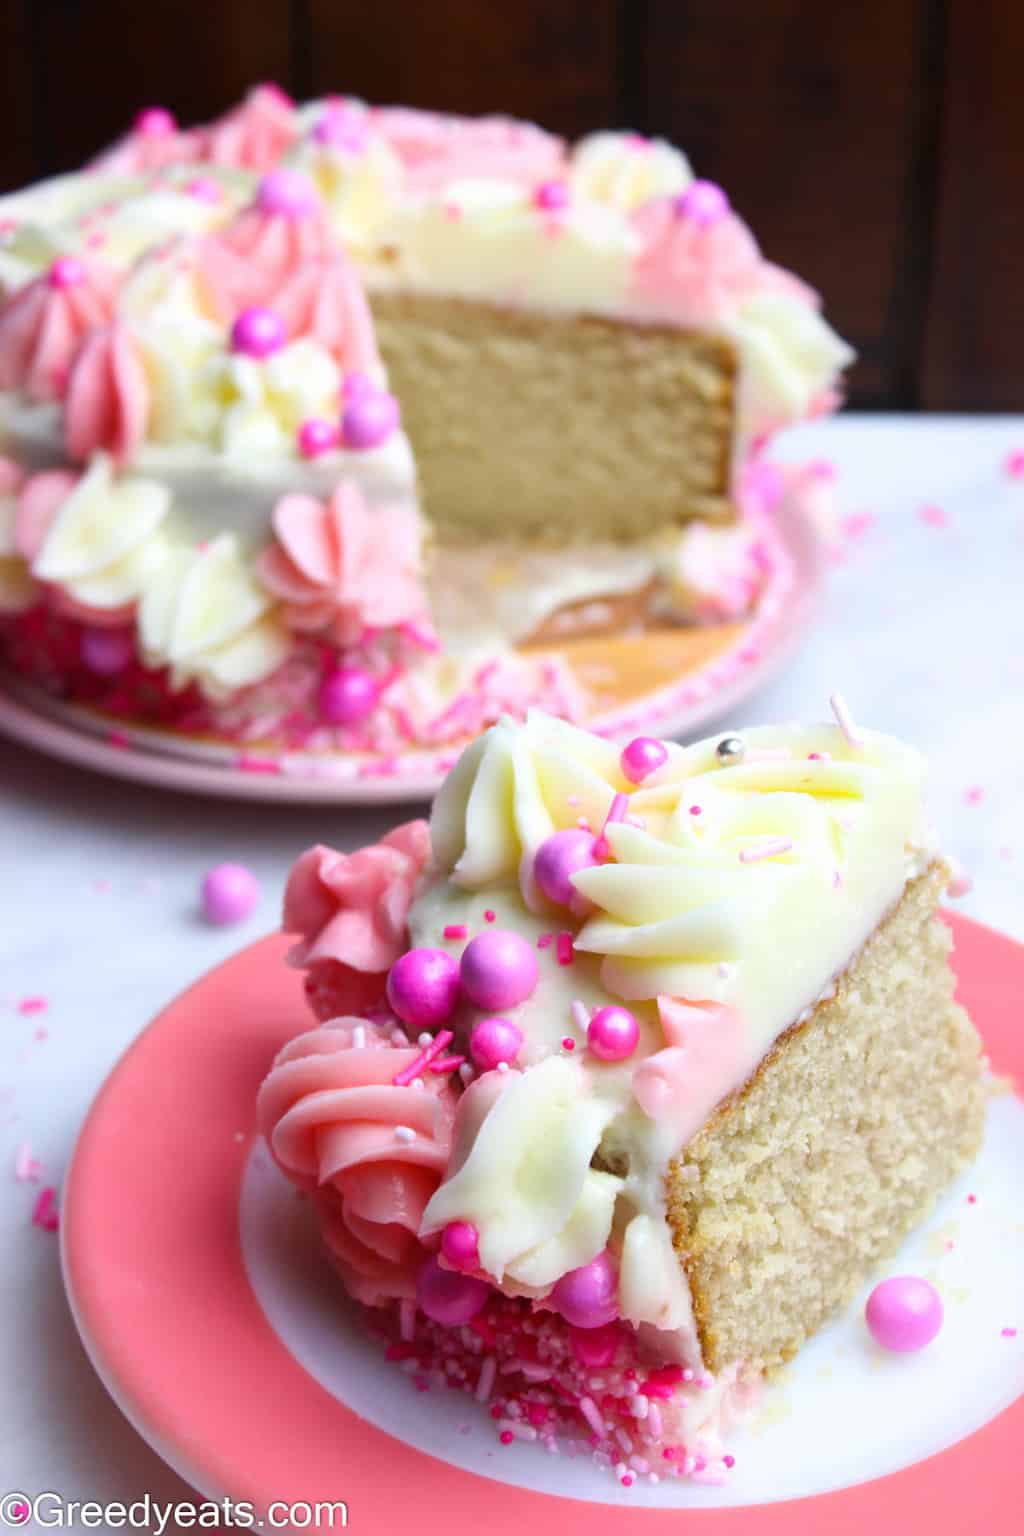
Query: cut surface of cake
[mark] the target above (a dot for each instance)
(392, 394)
(629, 1070)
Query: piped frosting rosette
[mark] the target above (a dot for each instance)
(44, 322)
(626, 170)
(371, 1150)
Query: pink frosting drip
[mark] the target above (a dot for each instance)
(107, 405)
(339, 566)
(329, 1110)
(255, 134)
(259, 253)
(352, 908)
(325, 300)
(42, 327)
(435, 149)
(41, 498)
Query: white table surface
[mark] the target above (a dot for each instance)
(922, 630)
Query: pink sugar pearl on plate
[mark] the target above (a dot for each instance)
(558, 858)
(904, 1313)
(423, 987)
(369, 419)
(643, 756)
(612, 1034)
(258, 332)
(348, 695)
(448, 1298)
(155, 123)
(494, 1041)
(460, 1245)
(499, 969)
(229, 893)
(286, 192)
(587, 1297)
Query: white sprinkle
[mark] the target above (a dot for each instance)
(398, 1038)
(766, 850)
(534, 1371)
(466, 1072)
(424, 1040)
(514, 1427)
(725, 970)
(654, 1423)
(639, 1464)
(843, 720)
(486, 1383)
(359, 1036)
(687, 1374)
(502, 1066)
(624, 1440)
(592, 1414)
(407, 1320)
(404, 1134)
(639, 1406)
(580, 1016)
(418, 1082)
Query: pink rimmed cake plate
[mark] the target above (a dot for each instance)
(667, 682)
(220, 1332)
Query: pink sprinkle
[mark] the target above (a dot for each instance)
(695, 810)
(44, 1213)
(769, 849)
(974, 795)
(1014, 464)
(626, 1479)
(568, 1043)
(933, 517)
(616, 812)
(843, 720)
(456, 931)
(591, 1413)
(545, 940)
(972, 1199)
(1008, 1333)
(728, 1461)
(654, 1420)
(26, 1167)
(563, 948)
(857, 524)
(488, 916)
(441, 1039)
(119, 739)
(447, 1064)
(257, 765)
(33, 1005)
(506, 1437)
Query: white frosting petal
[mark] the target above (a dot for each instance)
(103, 520)
(789, 356)
(625, 170)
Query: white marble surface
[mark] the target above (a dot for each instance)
(923, 631)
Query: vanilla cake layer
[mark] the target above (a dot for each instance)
(858, 1117)
(558, 428)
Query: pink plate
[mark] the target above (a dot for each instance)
(708, 679)
(155, 1263)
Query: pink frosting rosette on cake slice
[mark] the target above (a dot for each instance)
(43, 324)
(435, 149)
(254, 135)
(694, 272)
(349, 911)
(108, 396)
(371, 1152)
(341, 568)
(324, 300)
(247, 262)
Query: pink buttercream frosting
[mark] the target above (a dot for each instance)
(249, 261)
(43, 324)
(138, 153)
(695, 272)
(329, 1110)
(703, 1061)
(254, 135)
(435, 149)
(107, 405)
(324, 299)
(351, 909)
(40, 499)
(340, 567)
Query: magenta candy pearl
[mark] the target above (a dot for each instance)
(643, 756)
(448, 1298)
(612, 1034)
(228, 893)
(205, 190)
(340, 128)
(355, 385)
(317, 437)
(586, 1297)
(106, 652)
(704, 202)
(551, 196)
(494, 1041)
(904, 1313)
(348, 696)
(288, 193)
(369, 420)
(594, 1348)
(155, 123)
(460, 1245)
(66, 272)
(257, 332)
(499, 969)
(558, 858)
(423, 987)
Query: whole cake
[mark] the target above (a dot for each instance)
(327, 426)
(628, 1070)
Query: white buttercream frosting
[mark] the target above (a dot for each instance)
(625, 169)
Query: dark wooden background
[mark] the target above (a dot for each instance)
(876, 146)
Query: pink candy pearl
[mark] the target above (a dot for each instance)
(340, 128)
(257, 332)
(66, 272)
(347, 696)
(904, 1313)
(643, 756)
(587, 1297)
(106, 652)
(612, 1034)
(423, 987)
(594, 1348)
(551, 195)
(155, 123)
(355, 386)
(286, 192)
(460, 1245)
(369, 420)
(704, 202)
(494, 1041)
(449, 1298)
(558, 858)
(499, 969)
(228, 893)
(316, 437)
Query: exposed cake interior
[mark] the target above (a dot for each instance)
(687, 1059)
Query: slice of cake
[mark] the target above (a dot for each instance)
(628, 1071)
(313, 416)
